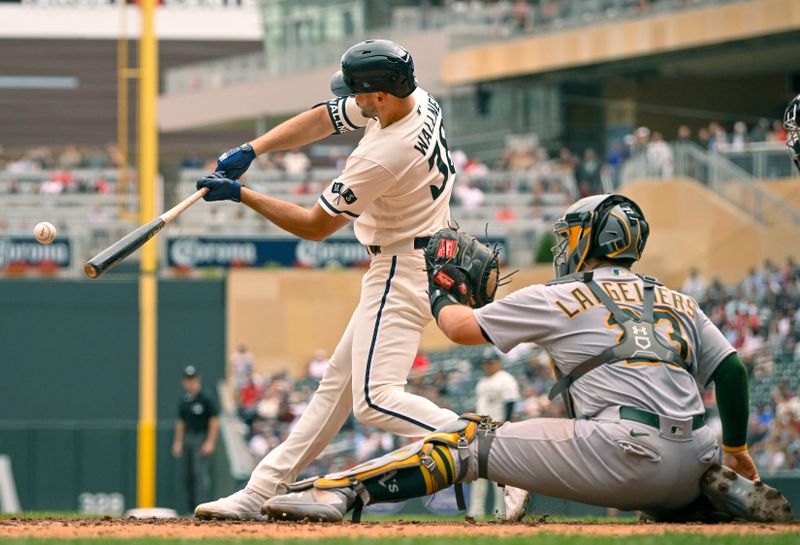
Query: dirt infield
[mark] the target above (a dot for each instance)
(190, 529)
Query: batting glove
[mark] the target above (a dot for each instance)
(234, 162)
(220, 188)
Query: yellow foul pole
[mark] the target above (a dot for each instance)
(148, 286)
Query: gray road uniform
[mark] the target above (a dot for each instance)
(638, 440)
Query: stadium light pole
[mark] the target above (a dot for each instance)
(148, 280)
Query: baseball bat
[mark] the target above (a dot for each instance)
(131, 242)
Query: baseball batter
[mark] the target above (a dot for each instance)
(496, 394)
(632, 358)
(395, 187)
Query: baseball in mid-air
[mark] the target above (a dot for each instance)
(45, 232)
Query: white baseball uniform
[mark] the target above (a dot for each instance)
(396, 187)
(493, 393)
(603, 457)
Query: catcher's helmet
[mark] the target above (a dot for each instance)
(790, 120)
(372, 66)
(602, 226)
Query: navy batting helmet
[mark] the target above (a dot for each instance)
(375, 65)
(602, 226)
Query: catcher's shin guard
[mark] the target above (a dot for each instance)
(438, 461)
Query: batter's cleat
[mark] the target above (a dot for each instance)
(242, 505)
(741, 498)
(312, 504)
(516, 500)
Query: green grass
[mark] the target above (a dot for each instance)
(542, 539)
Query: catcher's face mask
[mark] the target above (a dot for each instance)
(605, 226)
(790, 120)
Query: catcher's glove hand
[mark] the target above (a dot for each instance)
(461, 270)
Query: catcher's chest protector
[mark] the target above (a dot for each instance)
(639, 341)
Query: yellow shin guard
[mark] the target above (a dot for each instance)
(438, 461)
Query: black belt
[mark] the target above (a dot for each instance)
(419, 244)
(652, 419)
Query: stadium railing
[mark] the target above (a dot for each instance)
(718, 173)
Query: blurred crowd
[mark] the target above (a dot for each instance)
(57, 170)
(512, 17)
(269, 404)
(760, 317)
(714, 137)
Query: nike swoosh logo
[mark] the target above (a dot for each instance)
(638, 433)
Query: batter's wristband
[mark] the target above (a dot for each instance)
(441, 302)
(732, 450)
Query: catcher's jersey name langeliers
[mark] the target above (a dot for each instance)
(623, 292)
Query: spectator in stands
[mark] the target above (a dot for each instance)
(759, 131)
(684, 135)
(566, 162)
(587, 175)
(521, 16)
(317, 364)
(659, 155)
(52, 186)
(242, 362)
(265, 162)
(470, 197)
(740, 137)
(296, 163)
(641, 141)
(505, 213)
(249, 394)
(98, 214)
(421, 362)
(694, 285)
(778, 133)
(70, 158)
(193, 160)
(475, 168)
(704, 138)
(615, 158)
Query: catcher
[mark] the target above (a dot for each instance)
(631, 358)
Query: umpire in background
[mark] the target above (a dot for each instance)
(195, 437)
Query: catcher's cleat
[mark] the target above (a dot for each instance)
(516, 500)
(242, 505)
(313, 504)
(741, 498)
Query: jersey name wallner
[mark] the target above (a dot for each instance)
(433, 112)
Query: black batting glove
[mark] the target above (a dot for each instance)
(220, 188)
(234, 162)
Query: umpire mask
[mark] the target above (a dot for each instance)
(602, 226)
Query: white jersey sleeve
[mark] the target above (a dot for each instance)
(523, 316)
(345, 114)
(361, 182)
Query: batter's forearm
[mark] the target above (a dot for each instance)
(288, 216)
(459, 324)
(300, 130)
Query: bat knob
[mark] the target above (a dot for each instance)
(90, 270)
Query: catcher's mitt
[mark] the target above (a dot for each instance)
(461, 270)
